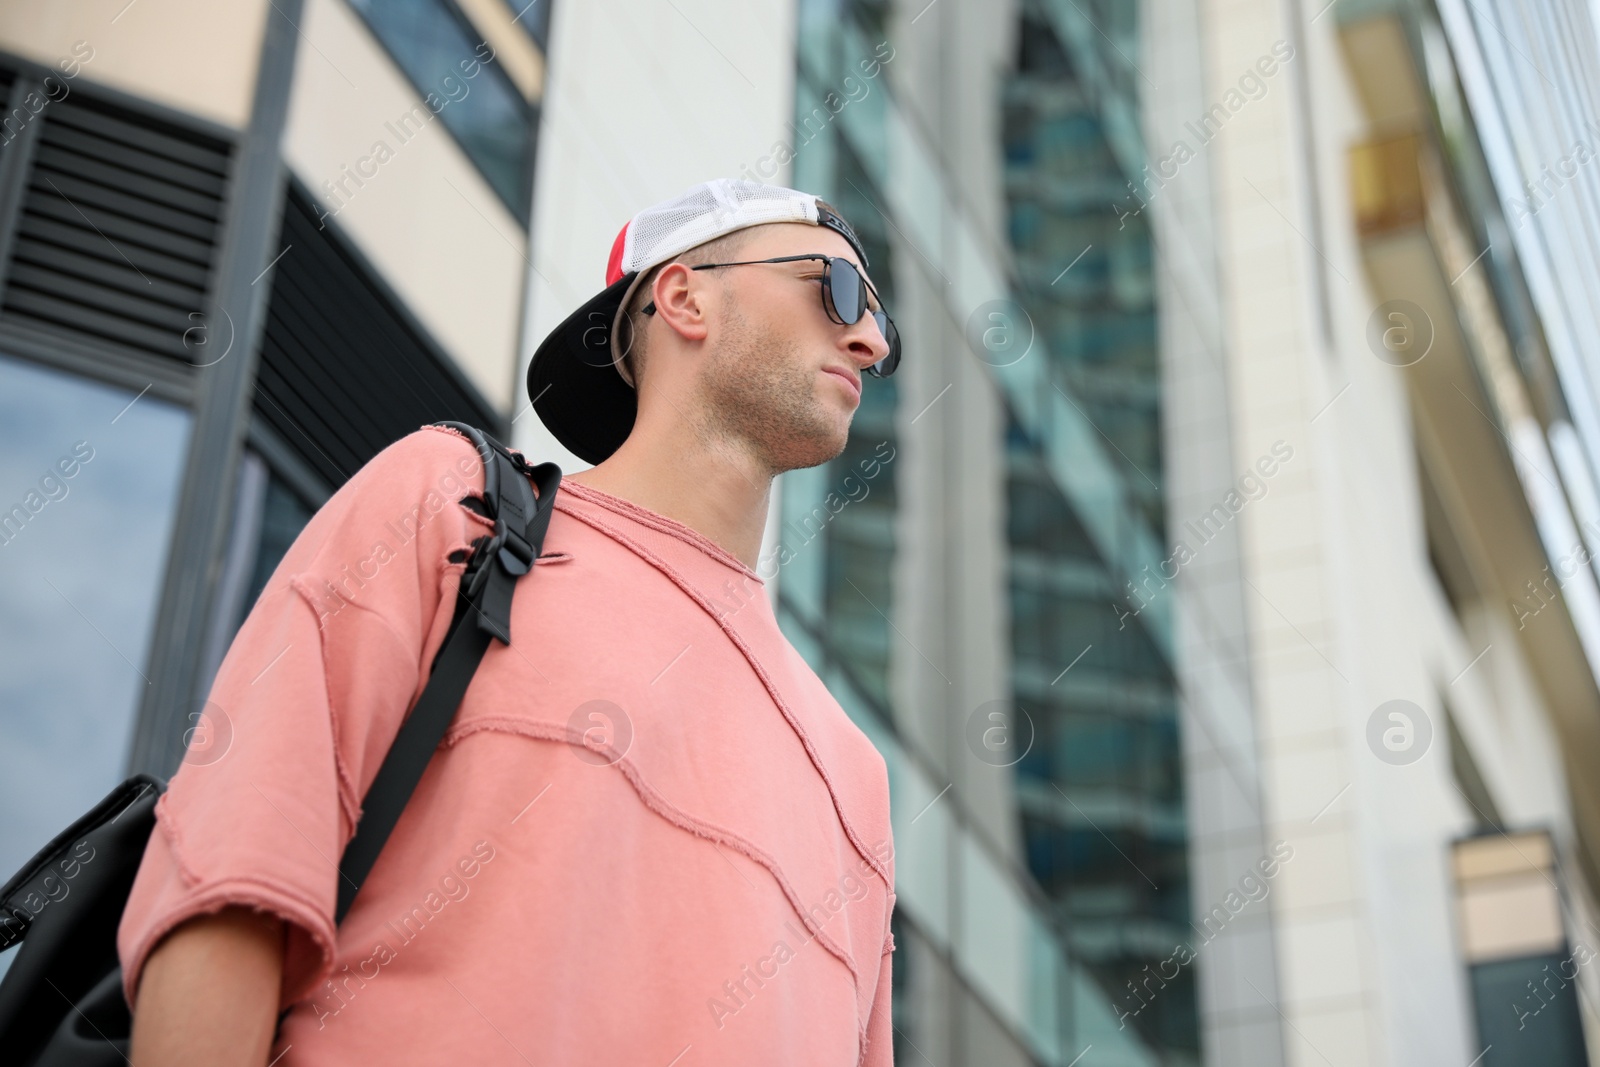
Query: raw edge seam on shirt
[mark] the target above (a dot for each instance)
(482, 520)
(349, 794)
(291, 907)
(661, 524)
(766, 681)
(664, 808)
(349, 791)
(453, 432)
(169, 829)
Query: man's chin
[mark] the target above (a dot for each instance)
(813, 453)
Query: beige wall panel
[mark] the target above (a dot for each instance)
(187, 54)
(514, 50)
(425, 216)
(1510, 917)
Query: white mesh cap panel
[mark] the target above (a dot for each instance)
(707, 212)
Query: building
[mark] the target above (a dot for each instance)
(1216, 575)
(231, 274)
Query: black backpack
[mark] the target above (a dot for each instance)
(61, 1003)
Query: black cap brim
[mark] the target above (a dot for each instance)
(575, 386)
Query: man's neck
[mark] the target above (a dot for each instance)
(712, 488)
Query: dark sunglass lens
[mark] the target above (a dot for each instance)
(886, 366)
(848, 290)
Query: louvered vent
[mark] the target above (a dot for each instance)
(344, 370)
(118, 228)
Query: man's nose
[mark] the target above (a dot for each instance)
(866, 341)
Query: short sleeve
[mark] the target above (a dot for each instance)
(305, 705)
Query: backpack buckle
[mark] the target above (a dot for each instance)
(514, 552)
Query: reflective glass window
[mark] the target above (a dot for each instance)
(1101, 793)
(89, 479)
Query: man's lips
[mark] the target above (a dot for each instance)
(855, 386)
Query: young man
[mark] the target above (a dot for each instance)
(651, 836)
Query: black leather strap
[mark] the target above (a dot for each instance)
(483, 612)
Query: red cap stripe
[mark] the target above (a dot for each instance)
(614, 266)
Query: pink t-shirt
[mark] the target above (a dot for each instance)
(651, 835)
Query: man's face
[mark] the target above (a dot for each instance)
(780, 374)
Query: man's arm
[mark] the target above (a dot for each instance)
(315, 685)
(209, 992)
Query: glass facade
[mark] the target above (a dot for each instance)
(1085, 273)
(854, 547)
(1527, 1011)
(89, 475)
(1101, 795)
(268, 514)
(283, 516)
(1509, 145)
(1010, 963)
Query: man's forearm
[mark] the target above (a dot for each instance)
(209, 992)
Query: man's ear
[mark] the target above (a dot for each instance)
(679, 296)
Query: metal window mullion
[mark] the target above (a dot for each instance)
(256, 190)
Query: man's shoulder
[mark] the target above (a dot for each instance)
(413, 493)
(429, 447)
(432, 460)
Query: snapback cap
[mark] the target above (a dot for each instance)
(576, 380)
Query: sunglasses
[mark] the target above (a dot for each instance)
(844, 298)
